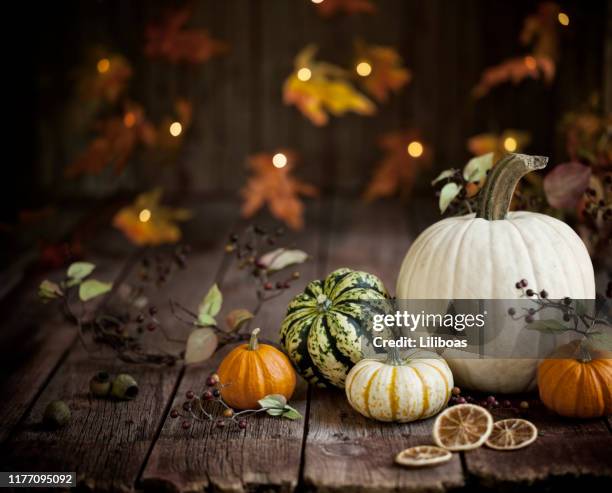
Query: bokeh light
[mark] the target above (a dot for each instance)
(364, 69)
(103, 65)
(563, 19)
(144, 215)
(510, 144)
(175, 129)
(129, 119)
(531, 63)
(279, 160)
(415, 149)
(304, 74)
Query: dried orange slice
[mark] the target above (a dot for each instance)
(462, 427)
(512, 434)
(423, 455)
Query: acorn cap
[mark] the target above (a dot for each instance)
(57, 414)
(124, 387)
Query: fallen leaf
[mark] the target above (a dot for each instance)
(388, 73)
(170, 40)
(565, 184)
(201, 345)
(160, 224)
(92, 288)
(236, 318)
(282, 257)
(326, 90)
(397, 171)
(329, 8)
(276, 188)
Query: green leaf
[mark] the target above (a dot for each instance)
(281, 257)
(447, 194)
(206, 320)
(602, 341)
(476, 168)
(273, 400)
(236, 318)
(49, 290)
(547, 326)
(201, 345)
(580, 308)
(445, 174)
(92, 287)
(80, 270)
(275, 411)
(291, 413)
(211, 304)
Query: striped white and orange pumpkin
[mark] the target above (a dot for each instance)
(399, 389)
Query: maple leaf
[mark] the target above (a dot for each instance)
(117, 138)
(387, 72)
(147, 222)
(498, 144)
(169, 40)
(324, 89)
(329, 8)
(109, 81)
(277, 188)
(397, 171)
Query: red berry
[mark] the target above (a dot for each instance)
(151, 327)
(530, 292)
(190, 394)
(456, 390)
(461, 400)
(268, 286)
(544, 293)
(185, 424)
(523, 283)
(174, 414)
(153, 310)
(511, 312)
(220, 423)
(528, 319)
(207, 395)
(507, 403)
(490, 399)
(242, 424)
(518, 285)
(216, 393)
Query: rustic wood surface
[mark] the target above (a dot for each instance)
(125, 446)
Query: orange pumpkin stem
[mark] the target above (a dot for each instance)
(253, 342)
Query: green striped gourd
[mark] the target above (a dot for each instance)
(325, 325)
(399, 389)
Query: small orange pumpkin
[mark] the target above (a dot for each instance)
(577, 382)
(252, 371)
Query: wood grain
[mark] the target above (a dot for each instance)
(565, 449)
(268, 453)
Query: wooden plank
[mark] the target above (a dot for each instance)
(345, 451)
(268, 453)
(565, 449)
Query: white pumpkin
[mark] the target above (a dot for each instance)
(482, 256)
(398, 389)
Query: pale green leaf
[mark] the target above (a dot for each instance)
(447, 194)
(92, 287)
(273, 400)
(80, 270)
(211, 304)
(206, 319)
(476, 168)
(201, 345)
(601, 341)
(49, 290)
(291, 413)
(275, 411)
(547, 326)
(445, 174)
(281, 257)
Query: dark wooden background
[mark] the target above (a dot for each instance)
(238, 97)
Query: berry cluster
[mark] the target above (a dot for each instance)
(159, 267)
(489, 402)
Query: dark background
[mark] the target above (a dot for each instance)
(238, 108)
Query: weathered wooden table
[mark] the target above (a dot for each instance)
(122, 446)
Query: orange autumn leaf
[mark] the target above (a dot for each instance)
(329, 8)
(147, 222)
(107, 79)
(276, 188)
(398, 170)
(319, 88)
(387, 70)
(541, 31)
(171, 41)
(117, 138)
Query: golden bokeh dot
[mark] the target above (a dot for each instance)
(317, 1)
(510, 144)
(279, 160)
(364, 69)
(175, 129)
(304, 74)
(144, 215)
(103, 65)
(563, 19)
(415, 149)
(129, 119)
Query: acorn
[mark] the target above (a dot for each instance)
(100, 384)
(124, 387)
(56, 414)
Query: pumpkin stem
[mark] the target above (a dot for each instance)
(501, 182)
(253, 342)
(393, 357)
